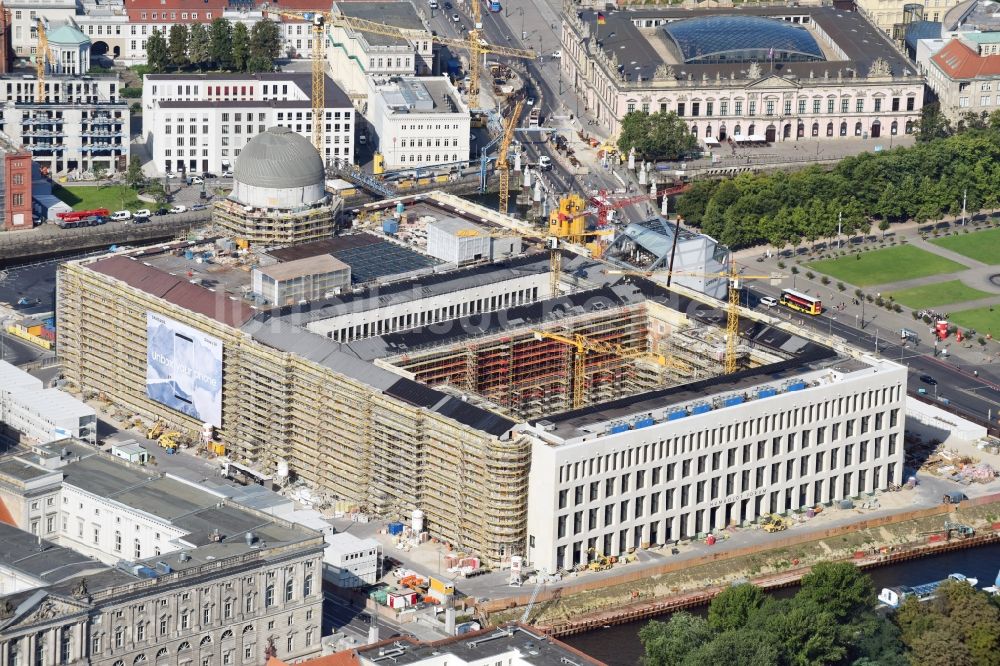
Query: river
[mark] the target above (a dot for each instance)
(620, 646)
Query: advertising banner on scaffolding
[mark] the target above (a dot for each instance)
(184, 369)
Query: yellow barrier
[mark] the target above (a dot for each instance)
(19, 332)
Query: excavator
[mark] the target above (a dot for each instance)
(155, 431)
(774, 523)
(168, 441)
(601, 563)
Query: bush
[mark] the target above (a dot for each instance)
(868, 297)
(981, 340)
(858, 293)
(841, 286)
(135, 108)
(825, 280)
(879, 301)
(781, 264)
(810, 275)
(795, 270)
(141, 70)
(132, 91)
(913, 313)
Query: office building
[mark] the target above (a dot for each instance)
(419, 122)
(30, 413)
(203, 121)
(351, 562)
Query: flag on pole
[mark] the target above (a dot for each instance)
(600, 18)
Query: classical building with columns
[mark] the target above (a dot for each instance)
(763, 73)
(196, 578)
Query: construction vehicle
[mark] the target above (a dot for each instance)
(566, 225)
(733, 306)
(774, 523)
(583, 345)
(502, 166)
(960, 530)
(168, 441)
(601, 563)
(156, 430)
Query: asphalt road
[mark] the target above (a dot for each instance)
(957, 390)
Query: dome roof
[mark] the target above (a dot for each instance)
(279, 159)
(67, 34)
(715, 39)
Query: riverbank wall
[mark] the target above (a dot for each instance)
(638, 593)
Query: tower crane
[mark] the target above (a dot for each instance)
(478, 47)
(508, 136)
(735, 281)
(566, 226)
(583, 344)
(43, 54)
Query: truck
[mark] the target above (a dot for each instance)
(534, 117)
(91, 221)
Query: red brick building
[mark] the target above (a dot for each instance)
(17, 191)
(5, 48)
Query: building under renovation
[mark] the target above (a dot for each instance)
(279, 195)
(472, 392)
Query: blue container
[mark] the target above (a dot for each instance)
(644, 423)
(679, 414)
(188, 254)
(395, 529)
(390, 227)
(796, 386)
(700, 409)
(400, 208)
(732, 401)
(621, 427)
(766, 393)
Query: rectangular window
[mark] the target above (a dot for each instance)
(802, 106)
(829, 106)
(709, 106)
(878, 104)
(816, 104)
(753, 107)
(681, 109)
(859, 106)
(844, 105)
(724, 107)
(769, 107)
(895, 104)
(738, 107)
(911, 103)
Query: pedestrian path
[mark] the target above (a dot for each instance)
(918, 242)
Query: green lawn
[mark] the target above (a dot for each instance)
(883, 266)
(980, 319)
(982, 246)
(942, 293)
(90, 197)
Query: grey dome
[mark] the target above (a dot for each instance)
(279, 159)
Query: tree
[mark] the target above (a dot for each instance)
(100, 173)
(199, 46)
(220, 34)
(157, 55)
(744, 647)
(932, 124)
(178, 45)
(662, 135)
(735, 607)
(841, 589)
(668, 643)
(134, 176)
(265, 41)
(241, 47)
(883, 226)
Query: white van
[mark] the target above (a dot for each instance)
(121, 216)
(432, 4)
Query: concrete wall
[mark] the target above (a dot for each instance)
(935, 423)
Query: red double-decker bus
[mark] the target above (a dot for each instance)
(796, 300)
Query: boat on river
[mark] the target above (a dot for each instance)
(893, 597)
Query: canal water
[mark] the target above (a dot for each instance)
(619, 645)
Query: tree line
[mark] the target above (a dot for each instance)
(919, 183)
(221, 45)
(831, 620)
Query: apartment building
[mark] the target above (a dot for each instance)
(203, 121)
(80, 124)
(726, 452)
(965, 75)
(419, 122)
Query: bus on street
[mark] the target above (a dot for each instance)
(796, 300)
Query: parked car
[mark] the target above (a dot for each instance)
(199, 207)
(432, 4)
(208, 175)
(544, 163)
(178, 209)
(556, 54)
(170, 174)
(768, 301)
(227, 174)
(456, 18)
(195, 180)
(160, 211)
(121, 216)
(447, 6)
(141, 214)
(927, 379)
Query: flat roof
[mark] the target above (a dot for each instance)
(54, 404)
(481, 647)
(323, 263)
(859, 40)
(333, 95)
(424, 94)
(40, 558)
(397, 14)
(23, 470)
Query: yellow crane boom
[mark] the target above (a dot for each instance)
(42, 54)
(502, 165)
(583, 344)
(319, 21)
(733, 305)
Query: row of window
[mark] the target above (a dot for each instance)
(984, 100)
(770, 107)
(762, 425)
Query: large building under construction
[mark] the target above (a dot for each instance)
(472, 391)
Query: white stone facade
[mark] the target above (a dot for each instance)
(23, 21)
(673, 479)
(198, 123)
(829, 103)
(419, 122)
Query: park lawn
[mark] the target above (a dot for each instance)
(982, 246)
(942, 293)
(892, 264)
(980, 319)
(92, 196)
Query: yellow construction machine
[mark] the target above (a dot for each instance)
(156, 430)
(601, 563)
(774, 523)
(168, 441)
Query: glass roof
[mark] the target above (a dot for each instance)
(714, 39)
